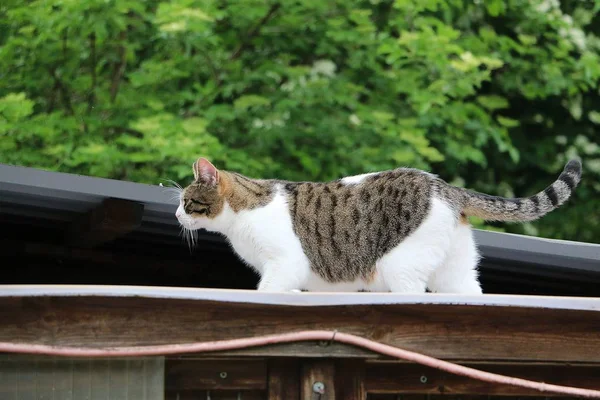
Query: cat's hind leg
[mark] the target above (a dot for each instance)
(458, 273)
(408, 267)
(283, 275)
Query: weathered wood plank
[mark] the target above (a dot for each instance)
(383, 377)
(284, 379)
(350, 380)
(304, 350)
(215, 395)
(453, 332)
(211, 374)
(318, 372)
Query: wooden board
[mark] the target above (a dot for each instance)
(211, 374)
(318, 372)
(304, 350)
(215, 395)
(350, 380)
(284, 379)
(383, 377)
(448, 331)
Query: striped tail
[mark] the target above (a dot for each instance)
(494, 208)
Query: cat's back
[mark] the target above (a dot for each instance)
(346, 225)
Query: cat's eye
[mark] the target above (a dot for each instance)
(198, 211)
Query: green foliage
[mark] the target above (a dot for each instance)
(494, 95)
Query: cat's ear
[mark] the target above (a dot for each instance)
(205, 172)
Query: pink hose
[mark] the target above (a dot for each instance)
(234, 344)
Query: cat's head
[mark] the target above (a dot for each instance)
(203, 200)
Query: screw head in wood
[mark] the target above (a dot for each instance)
(319, 387)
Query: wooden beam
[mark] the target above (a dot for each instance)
(451, 332)
(383, 377)
(215, 395)
(212, 374)
(284, 379)
(106, 222)
(318, 380)
(304, 350)
(350, 380)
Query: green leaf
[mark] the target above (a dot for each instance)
(594, 116)
(194, 126)
(495, 7)
(527, 40)
(15, 106)
(245, 102)
(493, 102)
(507, 122)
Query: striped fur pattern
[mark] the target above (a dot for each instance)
(402, 230)
(345, 228)
(494, 208)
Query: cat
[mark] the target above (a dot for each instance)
(402, 230)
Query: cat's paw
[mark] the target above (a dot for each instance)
(296, 291)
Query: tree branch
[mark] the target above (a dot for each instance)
(65, 95)
(64, 45)
(92, 95)
(133, 132)
(212, 66)
(52, 98)
(119, 69)
(254, 31)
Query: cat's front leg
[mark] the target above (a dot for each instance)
(282, 276)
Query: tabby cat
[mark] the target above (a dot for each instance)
(402, 230)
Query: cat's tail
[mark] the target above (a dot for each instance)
(495, 208)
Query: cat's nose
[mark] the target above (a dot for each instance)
(178, 214)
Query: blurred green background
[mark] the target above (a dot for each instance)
(494, 95)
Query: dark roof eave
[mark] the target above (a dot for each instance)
(26, 184)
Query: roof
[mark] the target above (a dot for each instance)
(451, 327)
(294, 299)
(39, 208)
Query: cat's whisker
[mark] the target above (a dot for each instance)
(194, 237)
(175, 193)
(190, 236)
(172, 183)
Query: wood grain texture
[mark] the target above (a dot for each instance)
(452, 332)
(216, 395)
(382, 396)
(284, 379)
(382, 377)
(210, 374)
(350, 380)
(304, 349)
(318, 371)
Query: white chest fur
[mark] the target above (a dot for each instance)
(265, 235)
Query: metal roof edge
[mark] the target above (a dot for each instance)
(534, 250)
(18, 180)
(305, 299)
(25, 180)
